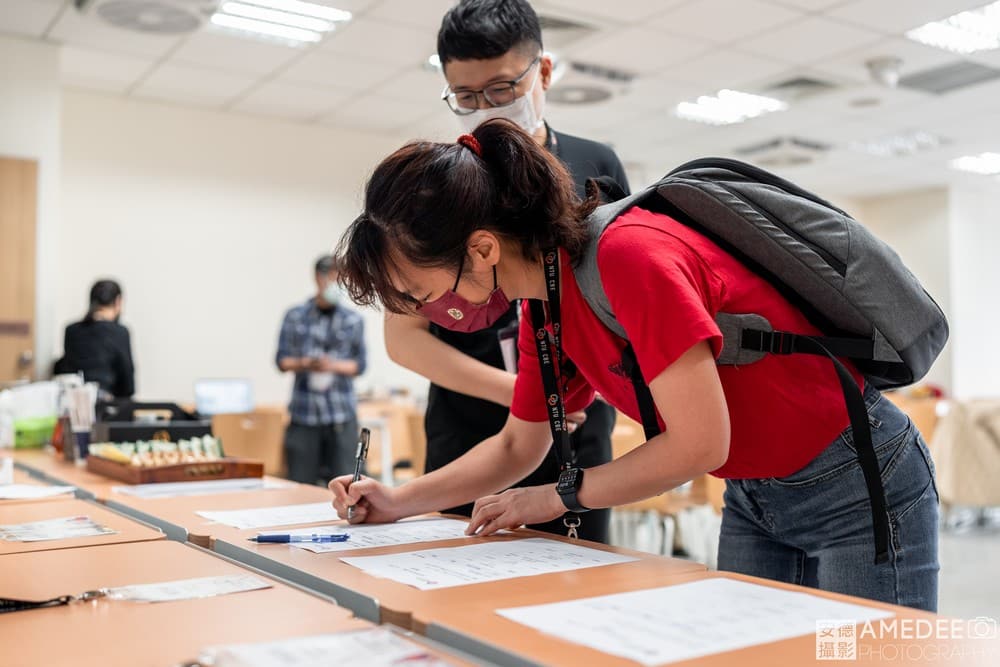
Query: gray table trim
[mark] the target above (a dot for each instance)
(362, 605)
(481, 649)
(171, 530)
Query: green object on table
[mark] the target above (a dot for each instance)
(33, 432)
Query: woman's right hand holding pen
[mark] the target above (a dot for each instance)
(373, 502)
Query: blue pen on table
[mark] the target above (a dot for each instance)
(360, 455)
(285, 539)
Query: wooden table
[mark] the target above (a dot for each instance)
(177, 518)
(52, 469)
(22, 477)
(127, 529)
(474, 627)
(134, 633)
(384, 600)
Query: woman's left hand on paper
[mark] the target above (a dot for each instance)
(514, 508)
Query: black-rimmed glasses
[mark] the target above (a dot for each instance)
(498, 94)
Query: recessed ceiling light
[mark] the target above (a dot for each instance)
(727, 107)
(276, 16)
(898, 145)
(263, 28)
(292, 22)
(966, 32)
(434, 61)
(306, 9)
(987, 164)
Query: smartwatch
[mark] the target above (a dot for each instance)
(567, 487)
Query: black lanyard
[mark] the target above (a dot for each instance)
(550, 359)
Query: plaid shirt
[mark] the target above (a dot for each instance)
(308, 332)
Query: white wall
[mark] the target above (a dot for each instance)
(975, 282)
(916, 225)
(29, 129)
(211, 222)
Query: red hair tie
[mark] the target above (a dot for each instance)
(471, 143)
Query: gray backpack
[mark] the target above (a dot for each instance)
(848, 283)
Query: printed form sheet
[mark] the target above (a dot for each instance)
(378, 647)
(686, 621)
(283, 515)
(370, 536)
(492, 561)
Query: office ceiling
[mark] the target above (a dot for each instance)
(371, 74)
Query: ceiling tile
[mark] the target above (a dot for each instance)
(726, 68)
(424, 14)
(916, 58)
(435, 127)
(898, 17)
(638, 50)
(382, 42)
(417, 85)
(808, 40)
(808, 5)
(28, 17)
(372, 113)
(619, 12)
(99, 70)
(183, 84)
(225, 51)
(743, 18)
(91, 32)
(294, 102)
(334, 69)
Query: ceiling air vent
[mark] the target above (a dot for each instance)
(797, 88)
(947, 78)
(158, 17)
(586, 83)
(559, 32)
(783, 152)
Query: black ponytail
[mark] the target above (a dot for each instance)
(426, 199)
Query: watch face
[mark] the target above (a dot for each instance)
(568, 479)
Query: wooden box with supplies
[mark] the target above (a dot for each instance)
(145, 462)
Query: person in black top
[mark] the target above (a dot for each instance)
(99, 346)
(491, 55)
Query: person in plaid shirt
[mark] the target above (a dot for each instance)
(322, 343)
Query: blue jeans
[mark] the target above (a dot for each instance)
(814, 527)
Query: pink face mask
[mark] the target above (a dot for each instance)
(456, 313)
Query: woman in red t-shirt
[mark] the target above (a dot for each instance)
(455, 231)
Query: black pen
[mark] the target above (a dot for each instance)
(360, 456)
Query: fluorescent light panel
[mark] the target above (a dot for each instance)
(306, 9)
(898, 145)
(291, 21)
(275, 16)
(265, 28)
(965, 32)
(727, 107)
(986, 164)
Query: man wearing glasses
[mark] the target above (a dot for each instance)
(491, 55)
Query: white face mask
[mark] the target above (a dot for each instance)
(332, 293)
(522, 112)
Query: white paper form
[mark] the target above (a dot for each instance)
(207, 487)
(377, 647)
(369, 536)
(188, 589)
(664, 625)
(32, 491)
(282, 515)
(53, 529)
(492, 561)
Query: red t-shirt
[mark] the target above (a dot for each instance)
(665, 283)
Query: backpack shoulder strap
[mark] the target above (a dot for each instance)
(587, 274)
